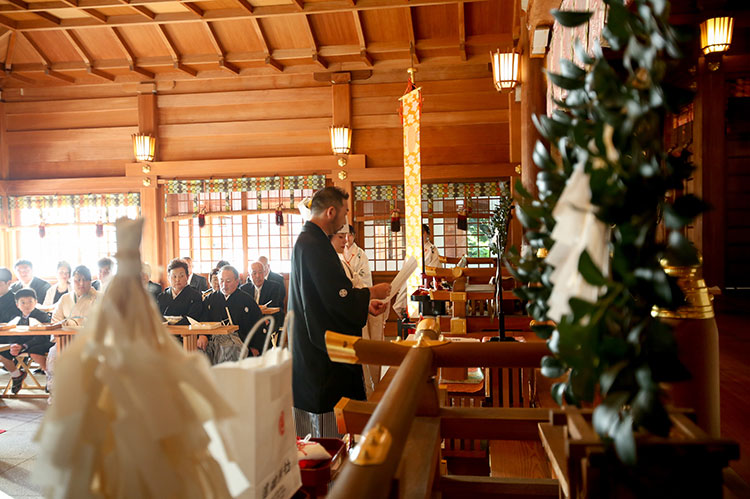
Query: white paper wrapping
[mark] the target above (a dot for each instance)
(576, 229)
(130, 403)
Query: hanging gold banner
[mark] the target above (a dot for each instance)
(411, 114)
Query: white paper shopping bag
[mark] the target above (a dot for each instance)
(261, 437)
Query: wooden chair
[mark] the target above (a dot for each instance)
(23, 361)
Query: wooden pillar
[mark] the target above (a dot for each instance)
(341, 111)
(711, 165)
(153, 247)
(514, 107)
(4, 153)
(533, 101)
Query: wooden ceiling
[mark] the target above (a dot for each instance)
(62, 42)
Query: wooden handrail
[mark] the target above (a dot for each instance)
(395, 414)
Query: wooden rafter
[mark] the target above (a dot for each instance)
(130, 56)
(267, 59)
(393, 48)
(148, 17)
(78, 46)
(49, 17)
(412, 38)
(95, 14)
(361, 38)
(10, 52)
(219, 48)
(300, 4)
(193, 7)
(314, 44)
(37, 50)
(246, 6)
(8, 22)
(461, 31)
(59, 76)
(22, 79)
(172, 48)
(101, 74)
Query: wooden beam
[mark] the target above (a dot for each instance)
(232, 68)
(101, 74)
(219, 48)
(146, 16)
(268, 60)
(95, 14)
(451, 486)
(19, 4)
(49, 17)
(130, 55)
(10, 52)
(22, 79)
(72, 185)
(246, 6)
(412, 38)
(274, 64)
(60, 76)
(300, 4)
(461, 31)
(361, 39)
(4, 154)
(186, 69)
(313, 44)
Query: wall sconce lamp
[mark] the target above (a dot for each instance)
(341, 143)
(144, 146)
(505, 69)
(716, 38)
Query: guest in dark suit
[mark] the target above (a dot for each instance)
(272, 276)
(153, 288)
(196, 281)
(106, 266)
(243, 311)
(264, 292)
(8, 308)
(25, 273)
(179, 298)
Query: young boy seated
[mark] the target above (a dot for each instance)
(36, 346)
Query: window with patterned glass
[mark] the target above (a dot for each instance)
(63, 225)
(238, 235)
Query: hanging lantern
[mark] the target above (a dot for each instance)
(462, 219)
(202, 217)
(395, 220)
(716, 34)
(42, 230)
(279, 216)
(504, 70)
(144, 146)
(99, 228)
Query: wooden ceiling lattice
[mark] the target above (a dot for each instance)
(98, 41)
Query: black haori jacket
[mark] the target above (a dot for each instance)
(322, 298)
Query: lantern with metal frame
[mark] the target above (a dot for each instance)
(716, 34)
(144, 147)
(505, 69)
(341, 143)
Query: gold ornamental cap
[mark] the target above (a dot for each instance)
(690, 280)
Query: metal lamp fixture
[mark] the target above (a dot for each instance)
(341, 142)
(505, 70)
(716, 34)
(144, 146)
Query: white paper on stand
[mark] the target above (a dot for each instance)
(399, 282)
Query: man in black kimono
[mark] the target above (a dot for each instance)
(180, 299)
(322, 298)
(243, 310)
(8, 308)
(267, 294)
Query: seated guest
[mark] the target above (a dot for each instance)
(195, 280)
(105, 274)
(54, 293)
(272, 276)
(25, 273)
(154, 289)
(264, 292)
(8, 308)
(73, 308)
(36, 346)
(179, 298)
(213, 279)
(242, 310)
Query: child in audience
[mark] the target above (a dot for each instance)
(36, 346)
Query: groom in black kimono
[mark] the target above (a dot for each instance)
(322, 298)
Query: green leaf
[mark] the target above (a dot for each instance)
(590, 271)
(543, 331)
(541, 157)
(625, 441)
(607, 414)
(558, 392)
(551, 367)
(569, 70)
(683, 211)
(570, 18)
(563, 82)
(520, 189)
